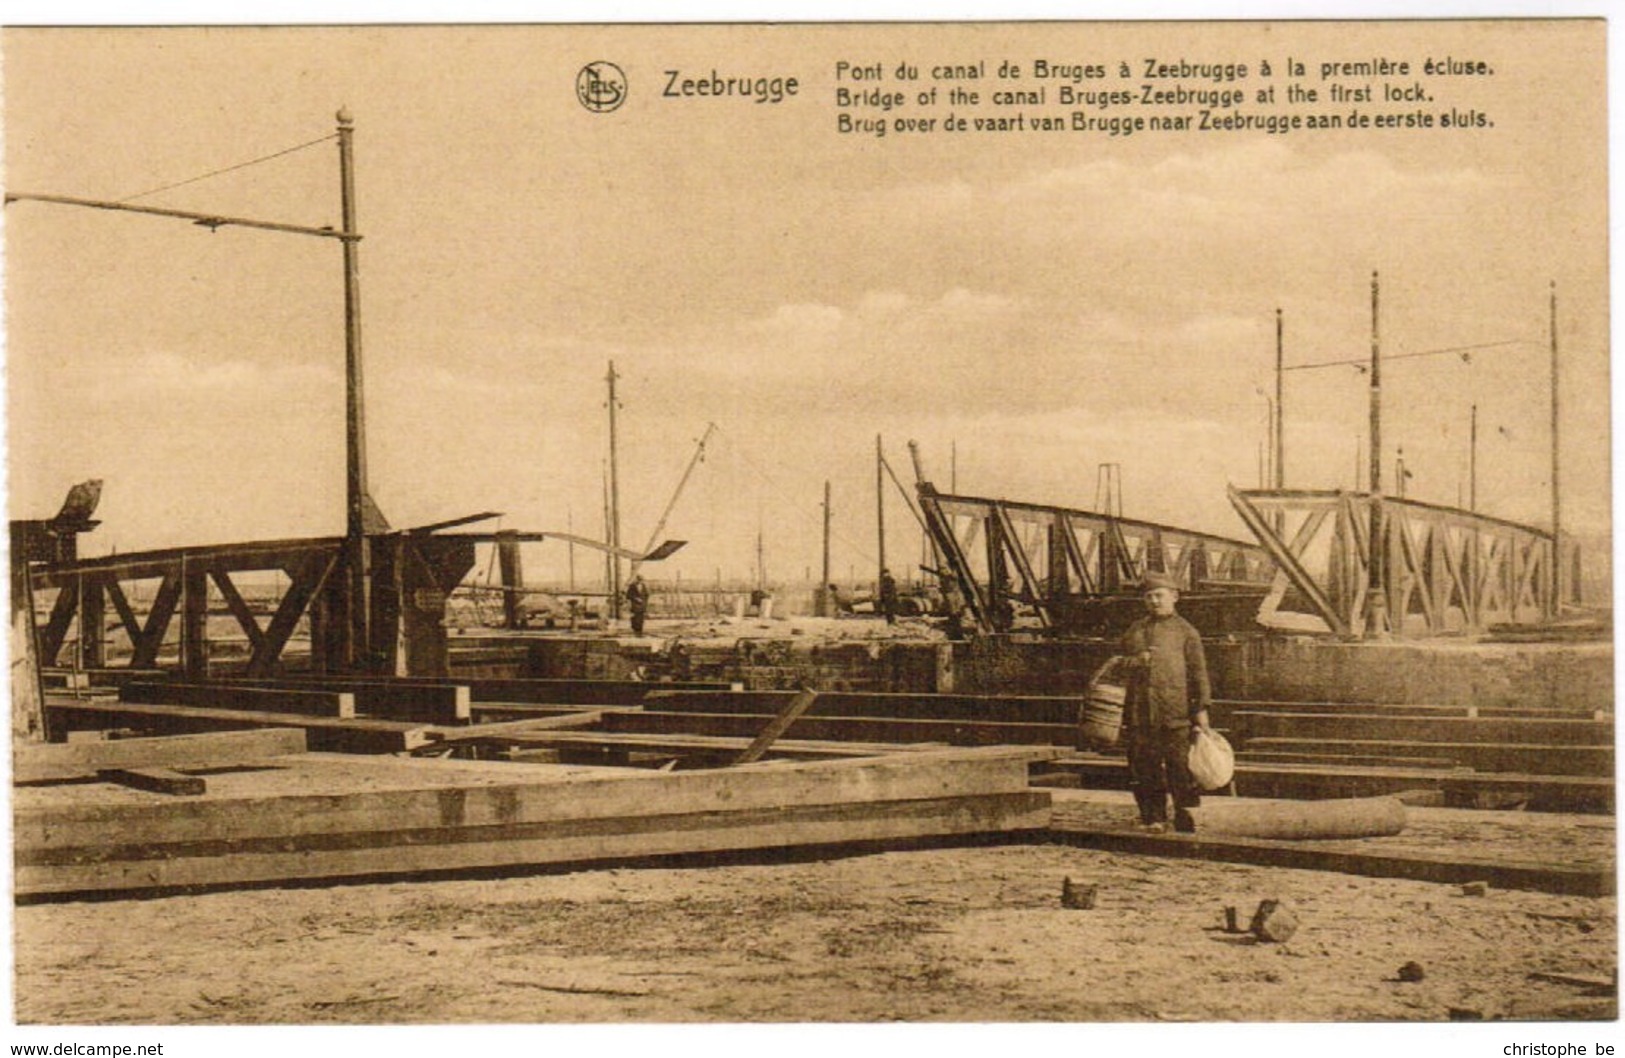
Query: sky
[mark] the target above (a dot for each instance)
(1035, 308)
(1024, 307)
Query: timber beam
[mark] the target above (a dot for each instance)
(358, 735)
(45, 761)
(1345, 858)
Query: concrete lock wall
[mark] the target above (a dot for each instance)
(1564, 676)
(1567, 676)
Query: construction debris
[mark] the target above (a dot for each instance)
(1298, 820)
(1078, 897)
(1274, 922)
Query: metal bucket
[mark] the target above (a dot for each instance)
(1101, 721)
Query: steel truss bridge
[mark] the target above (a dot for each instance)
(1059, 569)
(1440, 569)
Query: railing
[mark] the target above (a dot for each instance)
(1023, 560)
(1440, 569)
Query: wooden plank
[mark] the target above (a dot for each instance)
(156, 780)
(1597, 985)
(896, 777)
(838, 728)
(434, 705)
(520, 689)
(505, 729)
(619, 744)
(1251, 756)
(1335, 817)
(1346, 859)
(777, 726)
(493, 712)
(358, 735)
(261, 699)
(1545, 759)
(1569, 793)
(1037, 709)
(436, 702)
(110, 677)
(1227, 706)
(44, 761)
(1331, 726)
(399, 853)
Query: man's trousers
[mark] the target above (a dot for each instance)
(1159, 765)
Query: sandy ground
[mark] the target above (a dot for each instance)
(961, 934)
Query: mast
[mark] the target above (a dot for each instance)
(358, 551)
(880, 504)
(1281, 444)
(1377, 616)
(1557, 503)
(823, 584)
(1472, 462)
(614, 506)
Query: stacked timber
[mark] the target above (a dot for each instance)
(331, 817)
(954, 719)
(1472, 756)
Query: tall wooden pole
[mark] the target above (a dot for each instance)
(614, 505)
(824, 584)
(358, 640)
(1377, 616)
(1557, 504)
(609, 558)
(1280, 415)
(1472, 463)
(880, 502)
(570, 527)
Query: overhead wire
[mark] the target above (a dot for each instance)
(229, 168)
(785, 496)
(1459, 350)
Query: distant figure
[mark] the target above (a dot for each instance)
(1167, 693)
(888, 597)
(837, 605)
(637, 597)
(953, 607)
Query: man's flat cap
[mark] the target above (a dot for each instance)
(1158, 580)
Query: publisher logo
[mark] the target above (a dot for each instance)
(601, 87)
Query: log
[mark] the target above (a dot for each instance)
(1355, 817)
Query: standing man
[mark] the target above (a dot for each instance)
(637, 597)
(1168, 692)
(888, 596)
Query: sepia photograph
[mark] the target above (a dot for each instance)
(1033, 522)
